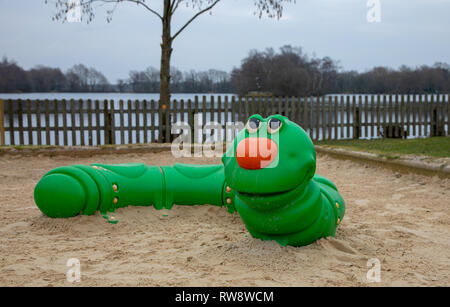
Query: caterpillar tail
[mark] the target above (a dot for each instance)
(79, 189)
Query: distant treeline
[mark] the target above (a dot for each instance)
(290, 72)
(147, 81)
(79, 78)
(405, 80)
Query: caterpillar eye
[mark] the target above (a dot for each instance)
(253, 125)
(274, 125)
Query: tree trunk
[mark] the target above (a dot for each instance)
(166, 53)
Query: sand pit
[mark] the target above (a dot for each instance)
(403, 220)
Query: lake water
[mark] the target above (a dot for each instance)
(103, 96)
(146, 96)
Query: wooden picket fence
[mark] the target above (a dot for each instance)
(88, 122)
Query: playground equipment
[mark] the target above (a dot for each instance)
(267, 176)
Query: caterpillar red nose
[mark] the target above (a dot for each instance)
(256, 153)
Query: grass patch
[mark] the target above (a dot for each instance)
(434, 147)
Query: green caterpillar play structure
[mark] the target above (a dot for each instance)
(267, 176)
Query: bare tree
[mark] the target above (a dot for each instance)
(81, 78)
(140, 83)
(153, 77)
(176, 78)
(77, 76)
(121, 85)
(13, 78)
(97, 81)
(289, 72)
(271, 8)
(46, 79)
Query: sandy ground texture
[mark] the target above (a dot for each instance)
(402, 220)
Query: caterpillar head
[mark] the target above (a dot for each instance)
(271, 155)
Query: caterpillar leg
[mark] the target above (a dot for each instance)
(329, 190)
(323, 226)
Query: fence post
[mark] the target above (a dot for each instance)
(89, 114)
(191, 123)
(81, 116)
(434, 122)
(20, 121)
(357, 124)
(162, 120)
(448, 114)
(107, 120)
(168, 125)
(432, 113)
(112, 131)
(2, 123)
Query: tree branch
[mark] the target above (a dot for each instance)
(138, 2)
(147, 7)
(194, 17)
(174, 6)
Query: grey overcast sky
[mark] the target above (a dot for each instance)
(411, 32)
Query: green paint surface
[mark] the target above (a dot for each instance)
(282, 200)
